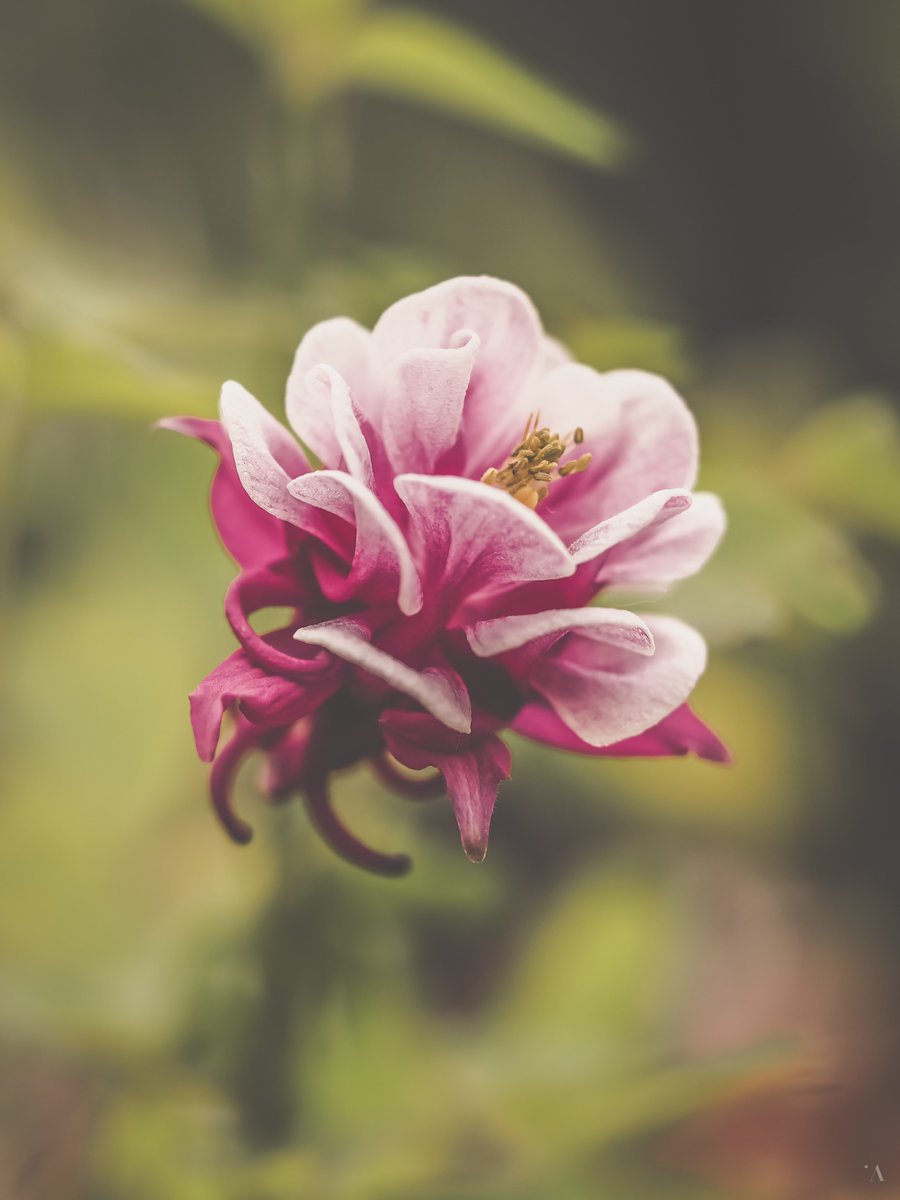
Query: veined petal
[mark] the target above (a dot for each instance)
(265, 699)
(605, 694)
(265, 454)
(471, 536)
(653, 510)
(614, 626)
(427, 390)
(381, 555)
(349, 350)
(250, 534)
(639, 431)
(440, 692)
(472, 767)
(663, 553)
(681, 732)
(510, 340)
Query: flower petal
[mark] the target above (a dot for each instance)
(440, 692)
(348, 349)
(467, 536)
(681, 732)
(605, 694)
(510, 340)
(265, 454)
(264, 698)
(381, 557)
(614, 626)
(472, 767)
(665, 552)
(427, 390)
(250, 535)
(640, 432)
(653, 510)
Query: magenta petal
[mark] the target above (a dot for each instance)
(382, 567)
(272, 586)
(343, 842)
(681, 732)
(440, 691)
(250, 535)
(473, 768)
(266, 699)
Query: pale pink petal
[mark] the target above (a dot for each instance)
(510, 340)
(266, 699)
(265, 454)
(614, 626)
(681, 732)
(467, 536)
(639, 431)
(664, 553)
(349, 350)
(327, 403)
(427, 390)
(250, 535)
(605, 694)
(439, 691)
(652, 510)
(381, 559)
(472, 768)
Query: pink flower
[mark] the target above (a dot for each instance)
(478, 491)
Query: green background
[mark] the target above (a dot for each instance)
(668, 978)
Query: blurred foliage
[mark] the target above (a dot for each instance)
(182, 1019)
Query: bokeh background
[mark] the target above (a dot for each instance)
(668, 978)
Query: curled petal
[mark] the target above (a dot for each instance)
(468, 536)
(681, 732)
(614, 626)
(221, 780)
(440, 692)
(473, 768)
(664, 553)
(265, 454)
(349, 350)
(427, 390)
(510, 340)
(250, 534)
(343, 842)
(654, 510)
(273, 585)
(605, 694)
(382, 561)
(266, 699)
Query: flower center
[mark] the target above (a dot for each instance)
(535, 463)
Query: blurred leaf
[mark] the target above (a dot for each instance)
(608, 344)
(846, 459)
(426, 59)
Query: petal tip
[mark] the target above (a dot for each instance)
(475, 851)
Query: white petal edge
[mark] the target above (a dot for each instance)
(657, 507)
(339, 493)
(438, 692)
(615, 626)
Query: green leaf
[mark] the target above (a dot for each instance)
(846, 458)
(426, 59)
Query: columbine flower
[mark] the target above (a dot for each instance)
(478, 491)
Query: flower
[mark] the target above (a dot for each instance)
(478, 490)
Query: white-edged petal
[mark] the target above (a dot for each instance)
(614, 626)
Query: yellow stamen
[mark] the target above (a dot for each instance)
(535, 463)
